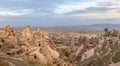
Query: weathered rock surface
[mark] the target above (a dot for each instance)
(36, 47)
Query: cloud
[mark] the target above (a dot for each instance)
(69, 8)
(107, 15)
(76, 6)
(22, 7)
(16, 12)
(58, 12)
(92, 10)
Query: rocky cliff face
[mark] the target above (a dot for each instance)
(106, 52)
(35, 47)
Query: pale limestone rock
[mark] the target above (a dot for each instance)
(38, 38)
(41, 58)
(79, 50)
(27, 34)
(87, 54)
(50, 54)
(53, 53)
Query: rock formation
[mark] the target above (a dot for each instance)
(59, 49)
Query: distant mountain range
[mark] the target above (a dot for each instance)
(93, 26)
(83, 27)
(102, 26)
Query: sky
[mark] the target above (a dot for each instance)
(45, 13)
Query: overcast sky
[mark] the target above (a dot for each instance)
(58, 12)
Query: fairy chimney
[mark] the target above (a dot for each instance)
(38, 38)
(8, 31)
(27, 35)
(115, 33)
